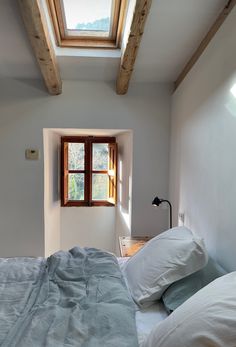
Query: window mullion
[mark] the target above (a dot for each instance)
(88, 168)
(100, 172)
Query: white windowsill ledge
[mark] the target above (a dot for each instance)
(85, 52)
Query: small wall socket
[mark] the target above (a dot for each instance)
(181, 217)
(32, 154)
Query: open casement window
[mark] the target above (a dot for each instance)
(88, 171)
(88, 23)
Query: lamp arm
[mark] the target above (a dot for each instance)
(163, 200)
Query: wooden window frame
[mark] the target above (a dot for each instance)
(63, 40)
(88, 171)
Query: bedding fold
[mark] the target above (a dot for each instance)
(75, 298)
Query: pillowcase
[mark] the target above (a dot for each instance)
(206, 319)
(180, 291)
(168, 257)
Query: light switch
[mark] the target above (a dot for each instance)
(32, 154)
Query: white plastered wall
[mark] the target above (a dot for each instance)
(26, 109)
(203, 143)
(52, 215)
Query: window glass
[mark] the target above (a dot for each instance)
(100, 187)
(88, 16)
(76, 156)
(100, 156)
(76, 186)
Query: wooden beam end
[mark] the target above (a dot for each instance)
(122, 86)
(56, 89)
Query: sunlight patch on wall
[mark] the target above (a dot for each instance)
(126, 218)
(233, 90)
(124, 213)
(231, 104)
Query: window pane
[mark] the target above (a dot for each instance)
(88, 16)
(100, 187)
(76, 187)
(100, 156)
(76, 156)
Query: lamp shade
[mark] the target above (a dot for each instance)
(156, 201)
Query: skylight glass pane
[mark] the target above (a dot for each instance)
(88, 16)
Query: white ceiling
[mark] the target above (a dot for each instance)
(173, 30)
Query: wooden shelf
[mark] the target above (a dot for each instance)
(130, 245)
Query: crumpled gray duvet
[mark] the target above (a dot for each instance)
(76, 298)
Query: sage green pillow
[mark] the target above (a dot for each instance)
(180, 291)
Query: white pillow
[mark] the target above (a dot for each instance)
(207, 319)
(168, 257)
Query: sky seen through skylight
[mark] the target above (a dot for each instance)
(86, 11)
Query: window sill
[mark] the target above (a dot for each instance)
(85, 204)
(87, 52)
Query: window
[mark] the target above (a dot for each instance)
(88, 171)
(87, 23)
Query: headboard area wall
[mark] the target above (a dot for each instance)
(203, 144)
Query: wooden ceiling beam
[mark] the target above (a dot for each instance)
(129, 55)
(205, 42)
(36, 26)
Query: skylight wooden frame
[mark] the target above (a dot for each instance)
(63, 40)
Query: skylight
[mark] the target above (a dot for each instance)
(87, 23)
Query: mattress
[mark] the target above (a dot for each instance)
(147, 318)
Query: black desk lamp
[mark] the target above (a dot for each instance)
(158, 202)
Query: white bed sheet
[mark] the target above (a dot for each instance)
(147, 318)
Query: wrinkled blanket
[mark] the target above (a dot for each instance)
(75, 298)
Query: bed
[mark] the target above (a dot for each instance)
(44, 302)
(89, 298)
(149, 317)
